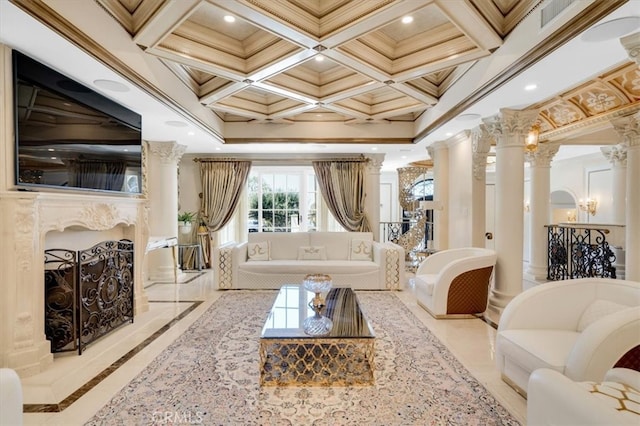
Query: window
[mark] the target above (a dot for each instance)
(282, 200)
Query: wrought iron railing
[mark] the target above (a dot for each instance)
(578, 252)
(88, 293)
(407, 234)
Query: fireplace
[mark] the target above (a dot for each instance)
(35, 222)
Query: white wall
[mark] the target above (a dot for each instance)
(585, 177)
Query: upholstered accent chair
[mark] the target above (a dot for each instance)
(455, 283)
(580, 328)
(554, 399)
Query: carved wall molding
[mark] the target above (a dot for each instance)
(629, 130)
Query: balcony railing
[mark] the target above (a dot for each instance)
(412, 235)
(578, 252)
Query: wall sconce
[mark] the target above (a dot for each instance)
(531, 143)
(588, 206)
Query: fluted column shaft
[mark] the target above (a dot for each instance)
(629, 129)
(162, 187)
(439, 153)
(540, 185)
(481, 139)
(510, 129)
(372, 200)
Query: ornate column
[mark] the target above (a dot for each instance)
(510, 128)
(372, 190)
(617, 156)
(629, 129)
(631, 43)
(439, 153)
(162, 187)
(481, 139)
(540, 170)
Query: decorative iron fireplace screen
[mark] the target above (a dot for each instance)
(88, 293)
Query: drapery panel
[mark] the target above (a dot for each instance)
(342, 184)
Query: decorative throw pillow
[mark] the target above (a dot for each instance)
(598, 309)
(312, 253)
(258, 251)
(361, 250)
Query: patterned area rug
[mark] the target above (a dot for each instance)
(210, 375)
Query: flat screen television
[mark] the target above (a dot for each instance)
(69, 136)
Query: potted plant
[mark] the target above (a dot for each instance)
(185, 219)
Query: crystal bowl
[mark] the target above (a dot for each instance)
(317, 283)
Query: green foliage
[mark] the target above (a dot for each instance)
(187, 217)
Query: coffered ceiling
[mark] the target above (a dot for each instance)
(382, 83)
(318, 60)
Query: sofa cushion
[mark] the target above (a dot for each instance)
(283, 245)
(361, 250)
(312, 253)
(532, 349)
(258, 251)
(338, 244)
(598, 309)
(309, 267)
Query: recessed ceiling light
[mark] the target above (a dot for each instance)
(191, 133)
(468, 117)
(319, 58)
(51, 150)
(114, 86)
(448, 134)
(530, 87)
(229, 18)
(611, 29)
(403, 157)
(175, 123)
(218, 148)
(407, 19)
(374, 148)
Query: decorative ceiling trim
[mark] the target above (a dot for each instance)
(381, 141)
(588, 17)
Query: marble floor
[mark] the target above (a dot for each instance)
(75, 387)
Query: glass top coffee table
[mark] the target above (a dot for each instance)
(342, 357)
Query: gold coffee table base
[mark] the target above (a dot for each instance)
(316, 362)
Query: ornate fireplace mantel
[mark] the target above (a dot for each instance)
(25, 220)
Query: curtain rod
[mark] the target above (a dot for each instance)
(359, 159)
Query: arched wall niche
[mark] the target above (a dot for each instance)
(563, 205)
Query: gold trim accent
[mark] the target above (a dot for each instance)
(381, 141)
(514, 386)
(447, 316)
(317, 362)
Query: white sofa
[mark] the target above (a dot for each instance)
(10, 398)
(554, 399)
(350, 258)
(578, 327)
(455, 283)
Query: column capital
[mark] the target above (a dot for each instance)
(481, 139)
(543, 154)
(436, 146)
(375, 162)
(631, 43)
(616, 154)
(168, 152)
(510, 127)
(629, 130)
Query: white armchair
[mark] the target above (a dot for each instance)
(10, 398)
(578, 327)
(554, 399)
(455, 283)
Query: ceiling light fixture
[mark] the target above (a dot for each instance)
(530, 87)
(229, 18)
(407, 19)
(191, 133)
(176, 123)
(448, 134)
(468, 117)
(114, 86)
(319, 58)
(374, 148)
(611, 29)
